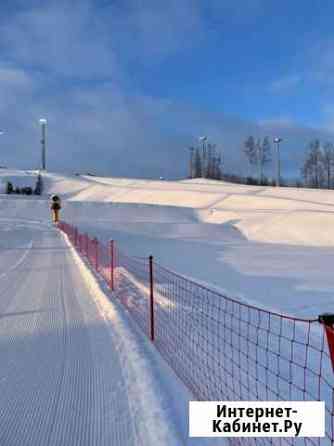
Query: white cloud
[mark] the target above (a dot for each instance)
(63, 60)
(62, 38)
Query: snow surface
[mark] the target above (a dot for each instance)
(75, 369)
(234, 235)
(69, 376)
(263, 244)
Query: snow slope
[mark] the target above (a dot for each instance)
(63, 376)
(75, 369)
(70, 376)
(265, 214)
(263, 244)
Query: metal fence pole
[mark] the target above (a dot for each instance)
(151, 299)
(96, 242)
(327, 319)
(112, 264)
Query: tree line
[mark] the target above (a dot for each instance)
(317, 170)
(205, 162)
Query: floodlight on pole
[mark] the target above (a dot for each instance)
(43, 123)
(277, 141)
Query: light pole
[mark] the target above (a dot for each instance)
(191, 163)
(277, 141)
(43, 123)
(203, 140)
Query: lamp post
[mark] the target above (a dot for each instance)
(203, 140)
(191, 163)
(43, 123)
(277, 141)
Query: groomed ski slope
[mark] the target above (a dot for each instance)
(74, 370)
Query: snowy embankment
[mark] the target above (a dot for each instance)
(261, 244)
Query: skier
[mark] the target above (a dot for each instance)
(55, 207)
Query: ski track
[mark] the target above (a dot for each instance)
(61, 380)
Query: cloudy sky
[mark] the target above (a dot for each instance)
(128, 85)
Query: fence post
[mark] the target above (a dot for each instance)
(112, 264)
(75, 237)
(327, 319)
(87, 253)
(151, 299)
(96, 242)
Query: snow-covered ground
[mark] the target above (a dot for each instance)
(75, 369)
(273, 246)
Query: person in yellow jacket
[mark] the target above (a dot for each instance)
(55, 208)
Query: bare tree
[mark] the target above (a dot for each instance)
(197, 164)
(265, 155)
(258, 153)
(191, 162)
(250, 149)
(205, 163)
(328, 161)
(313, 170)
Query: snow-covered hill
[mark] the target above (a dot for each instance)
(263, 244)
(231, 237)
(270, 215)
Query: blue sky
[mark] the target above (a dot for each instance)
(128, 85)
(270, 61)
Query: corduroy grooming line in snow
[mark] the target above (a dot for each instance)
(221, 348)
